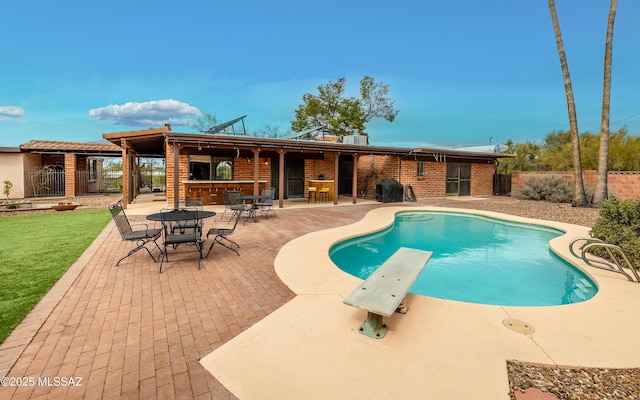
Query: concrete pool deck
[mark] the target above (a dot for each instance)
(310, 347)
(131, 333)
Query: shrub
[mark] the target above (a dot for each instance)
(549, 187)
(7, 188)
(618, 223)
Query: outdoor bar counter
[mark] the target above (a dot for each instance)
(212, 192)
(323, 184)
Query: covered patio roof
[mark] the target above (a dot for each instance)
(152, 141)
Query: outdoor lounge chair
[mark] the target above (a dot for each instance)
(222, 235)
(140, 236)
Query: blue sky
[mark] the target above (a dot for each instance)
(461, 72)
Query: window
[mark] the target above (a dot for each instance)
(224, 171)
(205, 168)
(458, 179)
(93, 170)
(420, 173)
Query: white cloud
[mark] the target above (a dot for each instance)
(11, 111)
(149, 113)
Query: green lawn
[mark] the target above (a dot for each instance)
(35, 250)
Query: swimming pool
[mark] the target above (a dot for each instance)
(476, 259)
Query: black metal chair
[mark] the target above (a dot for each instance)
(141, 236)
(173, 237)
(222, 235)
(227, 202)
(191, 203)
(265, 205)
(237, 205)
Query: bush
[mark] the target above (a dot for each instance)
(549, 187)
(619, 223)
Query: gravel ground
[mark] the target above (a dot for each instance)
(575, 383)
(85, 203)
(564, 383)
(533, 209)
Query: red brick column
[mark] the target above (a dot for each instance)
(70, 161)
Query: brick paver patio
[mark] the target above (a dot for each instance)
(129, 332)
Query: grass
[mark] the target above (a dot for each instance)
(36, 251)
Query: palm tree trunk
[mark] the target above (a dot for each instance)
(600, 193)
(579, 198)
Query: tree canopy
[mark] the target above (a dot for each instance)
(554, 153)
(344, 115)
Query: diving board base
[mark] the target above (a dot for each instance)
(373, 326)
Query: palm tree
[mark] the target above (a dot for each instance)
(579, 198)
(600, 193)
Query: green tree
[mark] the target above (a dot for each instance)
(526, 157)
(579, 197)
(589, 144)
(344, 115)
(556, 151)
(374, 100)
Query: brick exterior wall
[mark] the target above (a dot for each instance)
(621, 184)
(242, 171)
(372, 169)
(70, 163)
(314, 168)
(482, 179)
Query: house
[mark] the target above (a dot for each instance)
(53, 168)
(204, 165)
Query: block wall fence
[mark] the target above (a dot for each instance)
(621, 184)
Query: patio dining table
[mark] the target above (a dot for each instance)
(170, 238)
(180, 215)
(253, 199)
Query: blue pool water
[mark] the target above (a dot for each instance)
(475, 259)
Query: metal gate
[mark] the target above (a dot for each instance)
(502, 184)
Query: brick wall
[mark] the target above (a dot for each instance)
(242, 171)
(482, 179)
(314, 168)
(432, 184)
(621, 184)
(70, 163)
(372, 169)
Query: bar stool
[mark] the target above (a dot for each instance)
(312, 190)
(324, 195)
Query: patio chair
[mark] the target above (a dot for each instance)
(266, 204)
(222, 235)
(173, 237)
(140, 236)
(237, 205)
(190, 203)
(227, 202)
